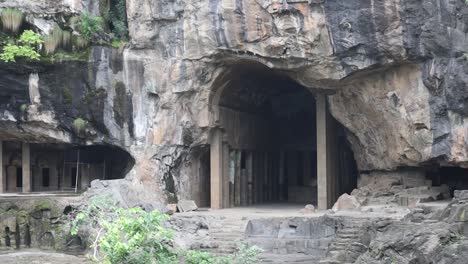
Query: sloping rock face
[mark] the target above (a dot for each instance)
(395, 71)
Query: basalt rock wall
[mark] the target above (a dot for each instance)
(394, 71)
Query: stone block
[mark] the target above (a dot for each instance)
(346, 202)
(171, 209)
(460, 194)
(186, 206)
(308, 209)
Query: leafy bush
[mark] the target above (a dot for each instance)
(198, 257)
(28, 50)
(30, 38)
(23, 108)
(79, 125)
(12, 19)
(130, 236)
(134, 236)
(89, 25)
(118, 20)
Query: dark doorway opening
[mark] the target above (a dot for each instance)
(269, 131)
(45, 177)
(456, 178)
(19, 177)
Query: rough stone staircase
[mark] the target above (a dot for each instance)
(347, 245)
(226, 235)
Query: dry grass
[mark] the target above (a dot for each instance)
(80, 42)
(12, 19)
(58, 38)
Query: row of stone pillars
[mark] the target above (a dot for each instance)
(220, 174)
(25, 165)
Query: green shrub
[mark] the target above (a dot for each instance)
(89, 25)
(12, 19)
(28, 50)
(79, 125)
(23, 108)
(198, 257)
(118, 20)
(127, 236)
(67, 96)
(30, 38)
(134, 236)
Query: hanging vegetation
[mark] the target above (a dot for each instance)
(80, 42)
(89, 25)
(118, 19)
(58, 38)
(12, 19)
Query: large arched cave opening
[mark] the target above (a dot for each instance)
(264, 146)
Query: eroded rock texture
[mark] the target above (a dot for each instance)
(395, 72)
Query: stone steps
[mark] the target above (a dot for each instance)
(346, 245)
(290, 258)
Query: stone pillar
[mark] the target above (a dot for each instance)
(281, 181)
(2, 171)
(237, 179)
(322, 173)
(249, 166)
(225, 175)
(216, 166)
(26, 165)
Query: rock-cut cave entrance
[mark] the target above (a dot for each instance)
(275, 141)
(56, 167)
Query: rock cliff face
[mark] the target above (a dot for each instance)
(395, 72)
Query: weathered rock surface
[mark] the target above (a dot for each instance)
(39, 223)
(346, 202)
(395, 72)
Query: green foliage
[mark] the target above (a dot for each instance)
(198, 257)
(67, 96)
(23, 108)
(28, 50)
(89, 25)
(30, 38)
(11, 52)
(79, 125)
(118, 20)
(134, 236)
(12, 19)
(246, 255)
(130, 236)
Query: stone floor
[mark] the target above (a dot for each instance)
(40, 257)
(293, 210)
(39, 194)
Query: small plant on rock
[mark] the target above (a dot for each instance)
(89, 25)
(79, 125)
(23, 108)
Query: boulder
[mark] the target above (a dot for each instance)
(308, 209)
(186, 206)
(346, 202)
(171, 209)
